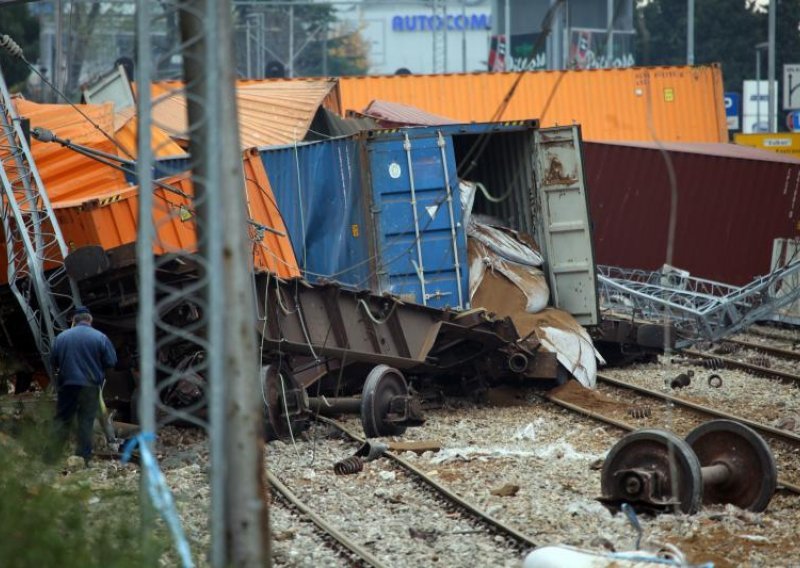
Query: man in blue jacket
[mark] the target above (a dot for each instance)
(80, 356)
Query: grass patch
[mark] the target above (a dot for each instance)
(53, 517)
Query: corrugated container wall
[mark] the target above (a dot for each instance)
(732, 202)
(353, 217)
(111, 219)
(317, 187)
(609, 104)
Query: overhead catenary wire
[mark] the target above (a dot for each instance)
(12, 48)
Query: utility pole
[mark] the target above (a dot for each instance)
(237, 448)
(609, 32)
(773, 115)
(507, 30)
(464, 38)
(690, 32)
(291, 40)
(59, 40)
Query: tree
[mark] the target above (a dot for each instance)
(22, 27)
(344, 49)
(725, 32)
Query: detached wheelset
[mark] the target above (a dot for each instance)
(386, 405)
(719, 462)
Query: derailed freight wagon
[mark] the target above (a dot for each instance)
(390, 210)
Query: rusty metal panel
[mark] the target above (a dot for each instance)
(610, 104)
(732, 202)
(565, 230)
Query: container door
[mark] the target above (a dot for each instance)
(419, 233)
(564, 227)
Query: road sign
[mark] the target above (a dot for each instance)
(791, 86)
(793, 121)
(755, 106)
(733, 103)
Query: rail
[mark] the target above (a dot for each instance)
(366, 557)
(521, 541)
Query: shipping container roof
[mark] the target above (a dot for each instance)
(736, 151)
(67, 174)
(270, 112)
(400, 114)
(686, 103)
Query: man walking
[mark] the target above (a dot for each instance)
(79, 357)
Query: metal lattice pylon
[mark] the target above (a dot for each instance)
(698, 309)
(35, 247)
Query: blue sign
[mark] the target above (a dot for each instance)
(425, 23)
(733, 102)
(793, 121)
(733, 105)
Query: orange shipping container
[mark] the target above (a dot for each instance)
(110, 221)
(686, 103)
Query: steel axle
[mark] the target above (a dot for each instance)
(719, 462)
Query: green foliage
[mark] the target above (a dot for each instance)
(726, 32)
(51, 519)
(23, 28)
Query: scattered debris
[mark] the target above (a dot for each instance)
(416, 446)
(371, 450)
(507, 490)
(715, 381)
(681, 381)
(348, 466)
(639, 412)
(387, 475)
(760, 361)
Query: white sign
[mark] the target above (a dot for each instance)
(755, 106)
(791, 86)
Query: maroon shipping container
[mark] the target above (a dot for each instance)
(732, 202)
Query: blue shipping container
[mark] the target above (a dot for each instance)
(378, 210)
(417, 217)
(317, 186)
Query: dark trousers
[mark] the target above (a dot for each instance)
(83, 401)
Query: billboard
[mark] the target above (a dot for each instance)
(755, 106)
(787, 143)
(588, 49)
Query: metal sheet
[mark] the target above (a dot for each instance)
(270, 112)
(730, 207)
(610, 104)
(318, 189)
(418, 221)
(566, 228)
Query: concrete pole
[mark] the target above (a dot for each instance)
(58, 74)
(507, 31)
(291, 40)
(609, 32)
(444, 30)
(758, 86)
(464, 39)
(690, 32)
(145, 264)
(238, 508)
(773, 114)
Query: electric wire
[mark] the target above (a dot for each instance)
(15, 50)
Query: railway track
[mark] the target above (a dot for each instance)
(416, 515)
(723, 361)
(349, 550)
(768, 349)
(787, 441)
